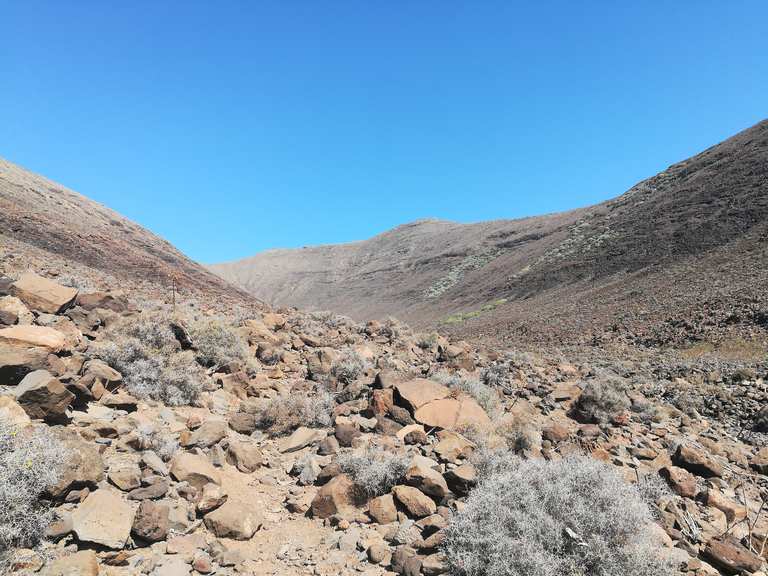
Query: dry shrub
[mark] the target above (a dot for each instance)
(217, 343)
(287, 412)
(374, 471)
(486, 396)
(145, 351)
(573, 517)
(601, 401)
(349, 366)
(29, 463)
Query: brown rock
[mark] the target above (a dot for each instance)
(338, 496)
(83, 466)
(238, 520)
(382, 509)
(697, 461)
(211, 497)
(103, 518)
(44, 397)
(12, 413)
(681, 481)
(83, 563)
(15, 363)
(209, 433)
(196, 470)
(301, 438)
(246, 456)
(759, 461)
(242, 422)
(416, 502)
(42, 294)
(452, 413)
(33, 337)
(461, 479)
(413, 394)
(382, 401)
(452, 446)
(732, 557)
(421, 475)
(105, 300)
(151, 522)
(733, 510)
(345, 433)
(125, 476)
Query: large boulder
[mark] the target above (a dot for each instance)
(43, 397)
(236, 519)
(196, 470)
(104, 518)
(413, 394)
(415, 501)
(42, 294)
(339, 496)
(301, 438)
(452, 413)
(422, 475)
(83, 466)
(151, 522)
(33, 337)
(697, 461)
(16, 362)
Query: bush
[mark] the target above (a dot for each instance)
(601, 401)
(348, 366)
(375, 471)
(217, 343)
(574, 516)
(29, 463)
(485, 395)
(495, 375)
(285, 413)
(520, 436)
(145, 351)
(160, 442)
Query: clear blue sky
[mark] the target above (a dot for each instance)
(232, 127)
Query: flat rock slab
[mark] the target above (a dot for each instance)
(236, 519)
(301, 438)
(452, 413)
(83, 563)
(413, 394)
(104, 518)
(42, 294)
(196, 470)
(33, 337)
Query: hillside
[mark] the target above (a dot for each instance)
(677, 258)
(45, 226)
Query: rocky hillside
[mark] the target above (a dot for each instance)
(678, 258)
(135, 440)
(47, 227)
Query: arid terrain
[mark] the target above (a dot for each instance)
(677, 259)
(156, 420)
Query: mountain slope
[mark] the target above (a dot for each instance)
(45, 226)
(687, 243)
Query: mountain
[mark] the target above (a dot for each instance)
(47, 227)
(678, 258)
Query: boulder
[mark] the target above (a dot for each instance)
(452, 446)
(416, 502)
(151, 522)
(413, 394)
(196, 470)
(15, 307)
(43, 397)
(33, 337)
(338, 496)
(697, 461)
(83, 466)
(461, 479)
(731, 557)
(42, 294)
(211, 497)
(246, 456)
(680, 480)
(209, 433)
(12, 413)
(83, 563)
(383, 509)
(104, 300)
(125, 476)
(15, 363)
(301, 438)
(104, 518)
(452, 413)
(422, 475)
(238, 520)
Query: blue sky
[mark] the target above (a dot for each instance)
(233, 127)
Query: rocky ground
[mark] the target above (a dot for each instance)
(333, 447)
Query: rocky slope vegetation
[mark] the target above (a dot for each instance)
(136, 439)
(678, 258)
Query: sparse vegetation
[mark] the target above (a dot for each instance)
(157, 440)
(463, 316)
(29, 463)
(145, 351)
(575, 516)
(217, 343)
(375, 470)
(349, 366)
(285, 413)
(602, 399)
